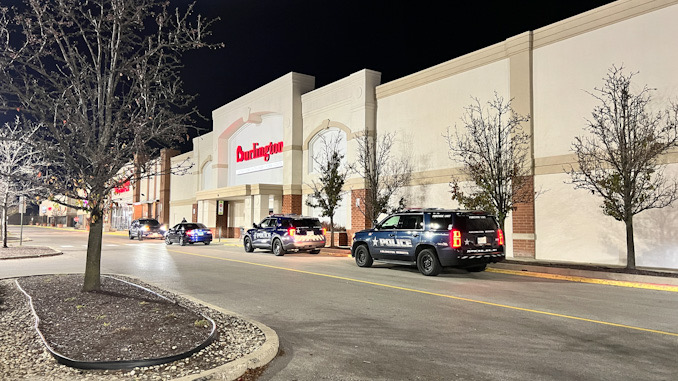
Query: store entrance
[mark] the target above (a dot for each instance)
(222, 230)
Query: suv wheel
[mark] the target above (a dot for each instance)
(168, 241)
(278, 249)
(427, 263)
(130, 235)
(247, 243)
(363, 257)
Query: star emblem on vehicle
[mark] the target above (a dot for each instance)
(467, 242)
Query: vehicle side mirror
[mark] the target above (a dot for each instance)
(255, 225)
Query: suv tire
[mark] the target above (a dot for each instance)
(247, 243)
(316, 251)
(427, 263)
(278, 248)
(130, 235)
(168, 241)
(362, 256)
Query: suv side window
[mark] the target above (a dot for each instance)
(285, 224)
(411, 221)
(390, 223)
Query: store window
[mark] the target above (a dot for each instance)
(206, 176)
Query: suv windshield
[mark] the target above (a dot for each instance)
(306, 223)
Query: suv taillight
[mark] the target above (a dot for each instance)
(500, 236)
(189, 232)
(455, 238)
(324, 231)
(291, 231)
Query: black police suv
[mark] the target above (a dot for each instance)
(146, 228)
(188, 232)
(281, 233)
(432, 239)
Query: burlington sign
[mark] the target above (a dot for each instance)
(258, 151)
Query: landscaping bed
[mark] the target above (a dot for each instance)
(121, 322)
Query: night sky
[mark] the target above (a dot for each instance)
(329, 39)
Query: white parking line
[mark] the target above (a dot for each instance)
(66, 245)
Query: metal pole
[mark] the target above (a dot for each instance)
(22, 209)
(21, 234)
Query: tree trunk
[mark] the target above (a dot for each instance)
(331, 231)
(630, 246)
(93, 265)
(4, 225)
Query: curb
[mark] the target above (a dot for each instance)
(588, 276)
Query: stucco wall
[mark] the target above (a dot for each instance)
(419, 117)
(570, 225)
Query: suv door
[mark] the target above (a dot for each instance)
(408, 236)
(262, 235)
(383, 242)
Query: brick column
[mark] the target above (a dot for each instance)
(523, 223)
(291, 203)
(358, 219)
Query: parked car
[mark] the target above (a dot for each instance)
(146, 228)
(432, 239)
(281, 233)
(188, 232)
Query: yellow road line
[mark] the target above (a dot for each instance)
(570, 278)
(434, 294)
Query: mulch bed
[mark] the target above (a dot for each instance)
(119, 322)
(14, 252)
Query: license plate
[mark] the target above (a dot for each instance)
(310, 233)
(482, 240)
(200, 233)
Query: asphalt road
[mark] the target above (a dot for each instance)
(340, 322)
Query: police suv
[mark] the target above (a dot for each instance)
(432, 239)
(281, 233)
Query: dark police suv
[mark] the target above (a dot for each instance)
(432, 239)
(281, 233)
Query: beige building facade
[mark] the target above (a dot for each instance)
(259, 156)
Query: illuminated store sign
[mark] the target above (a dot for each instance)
(122, 189)
(258, 151)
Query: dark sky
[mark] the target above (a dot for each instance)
(329, 39)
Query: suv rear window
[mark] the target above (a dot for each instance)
(474, 223)
(194, 226)
(149, 222)
(306, 223)
(465, 222)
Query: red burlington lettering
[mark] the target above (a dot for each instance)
(256, 151)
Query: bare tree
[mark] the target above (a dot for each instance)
(384, 174)
(102, 77)
(620, 159)
(20, 166)
(493, 151)
(327, 192)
